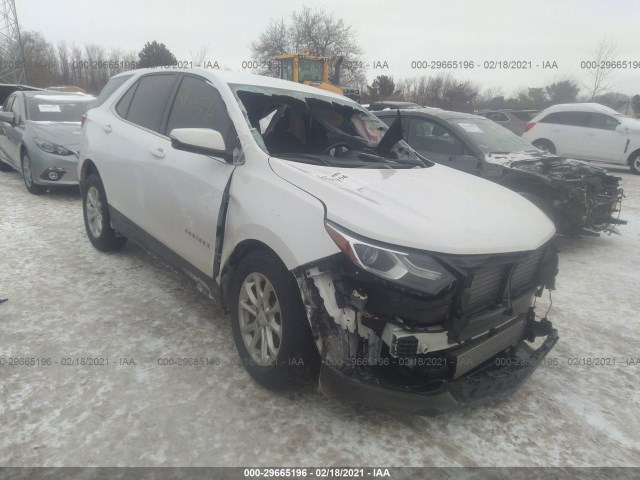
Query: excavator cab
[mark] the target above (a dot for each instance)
(311, 70)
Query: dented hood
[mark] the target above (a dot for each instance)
(436, 209)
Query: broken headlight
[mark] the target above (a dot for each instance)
(418, 271)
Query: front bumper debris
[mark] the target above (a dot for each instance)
(489, 382)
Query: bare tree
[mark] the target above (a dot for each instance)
(600, 76)
(65, 67)
(40, 59)
(200, 55)
(442, 90)
(322, 33)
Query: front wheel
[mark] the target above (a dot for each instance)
(269, 323)
(634, 163)
(27, 176)
(97, 222)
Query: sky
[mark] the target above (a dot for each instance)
(534, 33)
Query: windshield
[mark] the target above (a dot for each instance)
(56, 109)
(306, 127)
(310, 70)
(490, 137)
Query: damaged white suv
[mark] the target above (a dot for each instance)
(330, 241)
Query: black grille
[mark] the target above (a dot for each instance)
(487, 286)
(489, 282)
(525, 273)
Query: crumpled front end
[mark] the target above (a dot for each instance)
(467, 341)
(585, 197)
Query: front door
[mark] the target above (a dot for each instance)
(184, 191)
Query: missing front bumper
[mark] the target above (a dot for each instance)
(492, 381)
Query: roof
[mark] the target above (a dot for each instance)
(580, 107)
(233, 78)
(436, 112)
(507, 110)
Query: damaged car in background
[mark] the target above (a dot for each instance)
(336, 248)
(580, 198)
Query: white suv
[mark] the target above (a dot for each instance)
(330, 241)
(587, 131)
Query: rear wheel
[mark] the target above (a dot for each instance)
(269, 323)
(27, 175)
(97, 222)
(634, 163)
(545, 145)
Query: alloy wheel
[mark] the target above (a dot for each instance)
(94, 211)
(26, 171)
(260, 319)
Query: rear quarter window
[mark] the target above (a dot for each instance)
(111, 86)
(576, 119)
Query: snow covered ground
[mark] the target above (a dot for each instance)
(67, 300)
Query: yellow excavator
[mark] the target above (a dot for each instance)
(313, 70)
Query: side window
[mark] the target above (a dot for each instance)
(199, 105)
(17, 110)
(497, 117)
(388, 120)
(602, 121)
(576, 119)
(149, 100)
(111, 86)
(431, 137)
(123, 105)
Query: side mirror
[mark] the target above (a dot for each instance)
(8, 117)
(204, 141)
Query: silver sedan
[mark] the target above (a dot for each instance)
(40, 136)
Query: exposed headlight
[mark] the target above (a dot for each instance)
(418, 271)
(50, 147)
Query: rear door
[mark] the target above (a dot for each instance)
(605, 139)
(567, 131)
(184, 191)
(123, 138)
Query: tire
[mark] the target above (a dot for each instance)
(291, 357)
(634, 163)
(27, 176)
(97, 222)
(545, 145)
(4, 167)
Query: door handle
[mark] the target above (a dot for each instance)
(591, 134)
(106, 128)
(157, 152)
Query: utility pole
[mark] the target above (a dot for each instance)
(12, 64)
